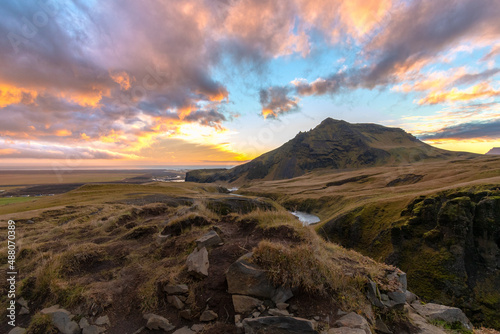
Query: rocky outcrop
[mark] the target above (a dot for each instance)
(209, 239)
(246, 278)
(448, 243)
(448, 314)
(353, 320)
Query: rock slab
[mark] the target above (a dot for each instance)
(278, 325)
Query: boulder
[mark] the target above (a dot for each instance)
(17, 330)
(24, 311)
(158, 322)
(278, 325)
(103, 321)
(184, 330)
(208, 315)
(197, 263)
(423, 326)
(83, 323)
(63, 323)
(208, 240)
(176, 302)
(448, 314)
(245, 304)
(179, 289)
(186, 314)
(353, 320)
(410, 297)
(245, 278)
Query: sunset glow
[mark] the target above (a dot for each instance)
(208, 82)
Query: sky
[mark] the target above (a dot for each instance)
(218, 82)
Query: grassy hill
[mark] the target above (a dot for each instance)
(332, 144)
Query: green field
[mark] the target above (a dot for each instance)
(11, 200)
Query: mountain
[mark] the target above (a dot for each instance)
(332, 144)
(494, 151)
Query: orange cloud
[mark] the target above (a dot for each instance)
(266, 112)
(8, 151)
(63, 133)
(122, 78)
(482, 90)
(13, 95)
(361, 16)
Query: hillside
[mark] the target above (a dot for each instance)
(185, 260)
(438, 221)
(332, 144)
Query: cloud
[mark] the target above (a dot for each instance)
(44, 151)
(275, 101)
(479, 91)
(475, 77)
(404, 40)
(470, 130)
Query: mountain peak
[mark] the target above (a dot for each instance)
(334, 144)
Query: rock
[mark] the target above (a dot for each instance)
(433, 311)
(176, 302)
(279, 313)
(294, 308)
(282, 306)
(245, 304)
(184, 330)
(29, 221)
(316, 318)
(158, 322)
(179, 289)
(218, 230)
(208, 240)
(197, 263)
(345, 330)
(186, 314)
(256, 314)
(63, 322)
(410, 297)
(182, 298)
(103, 321)
(381, 327)
(281, 295)
(93, 329)
(373, 294)
(403, 280)
(23, 302)
(17, 330)
(197, 327)
(83, 323)
(24, 311)
(353, 320)
(423, 326)
(160, 239)
(245, 278)
(397, 298)
(208, 315)
(281, 325)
